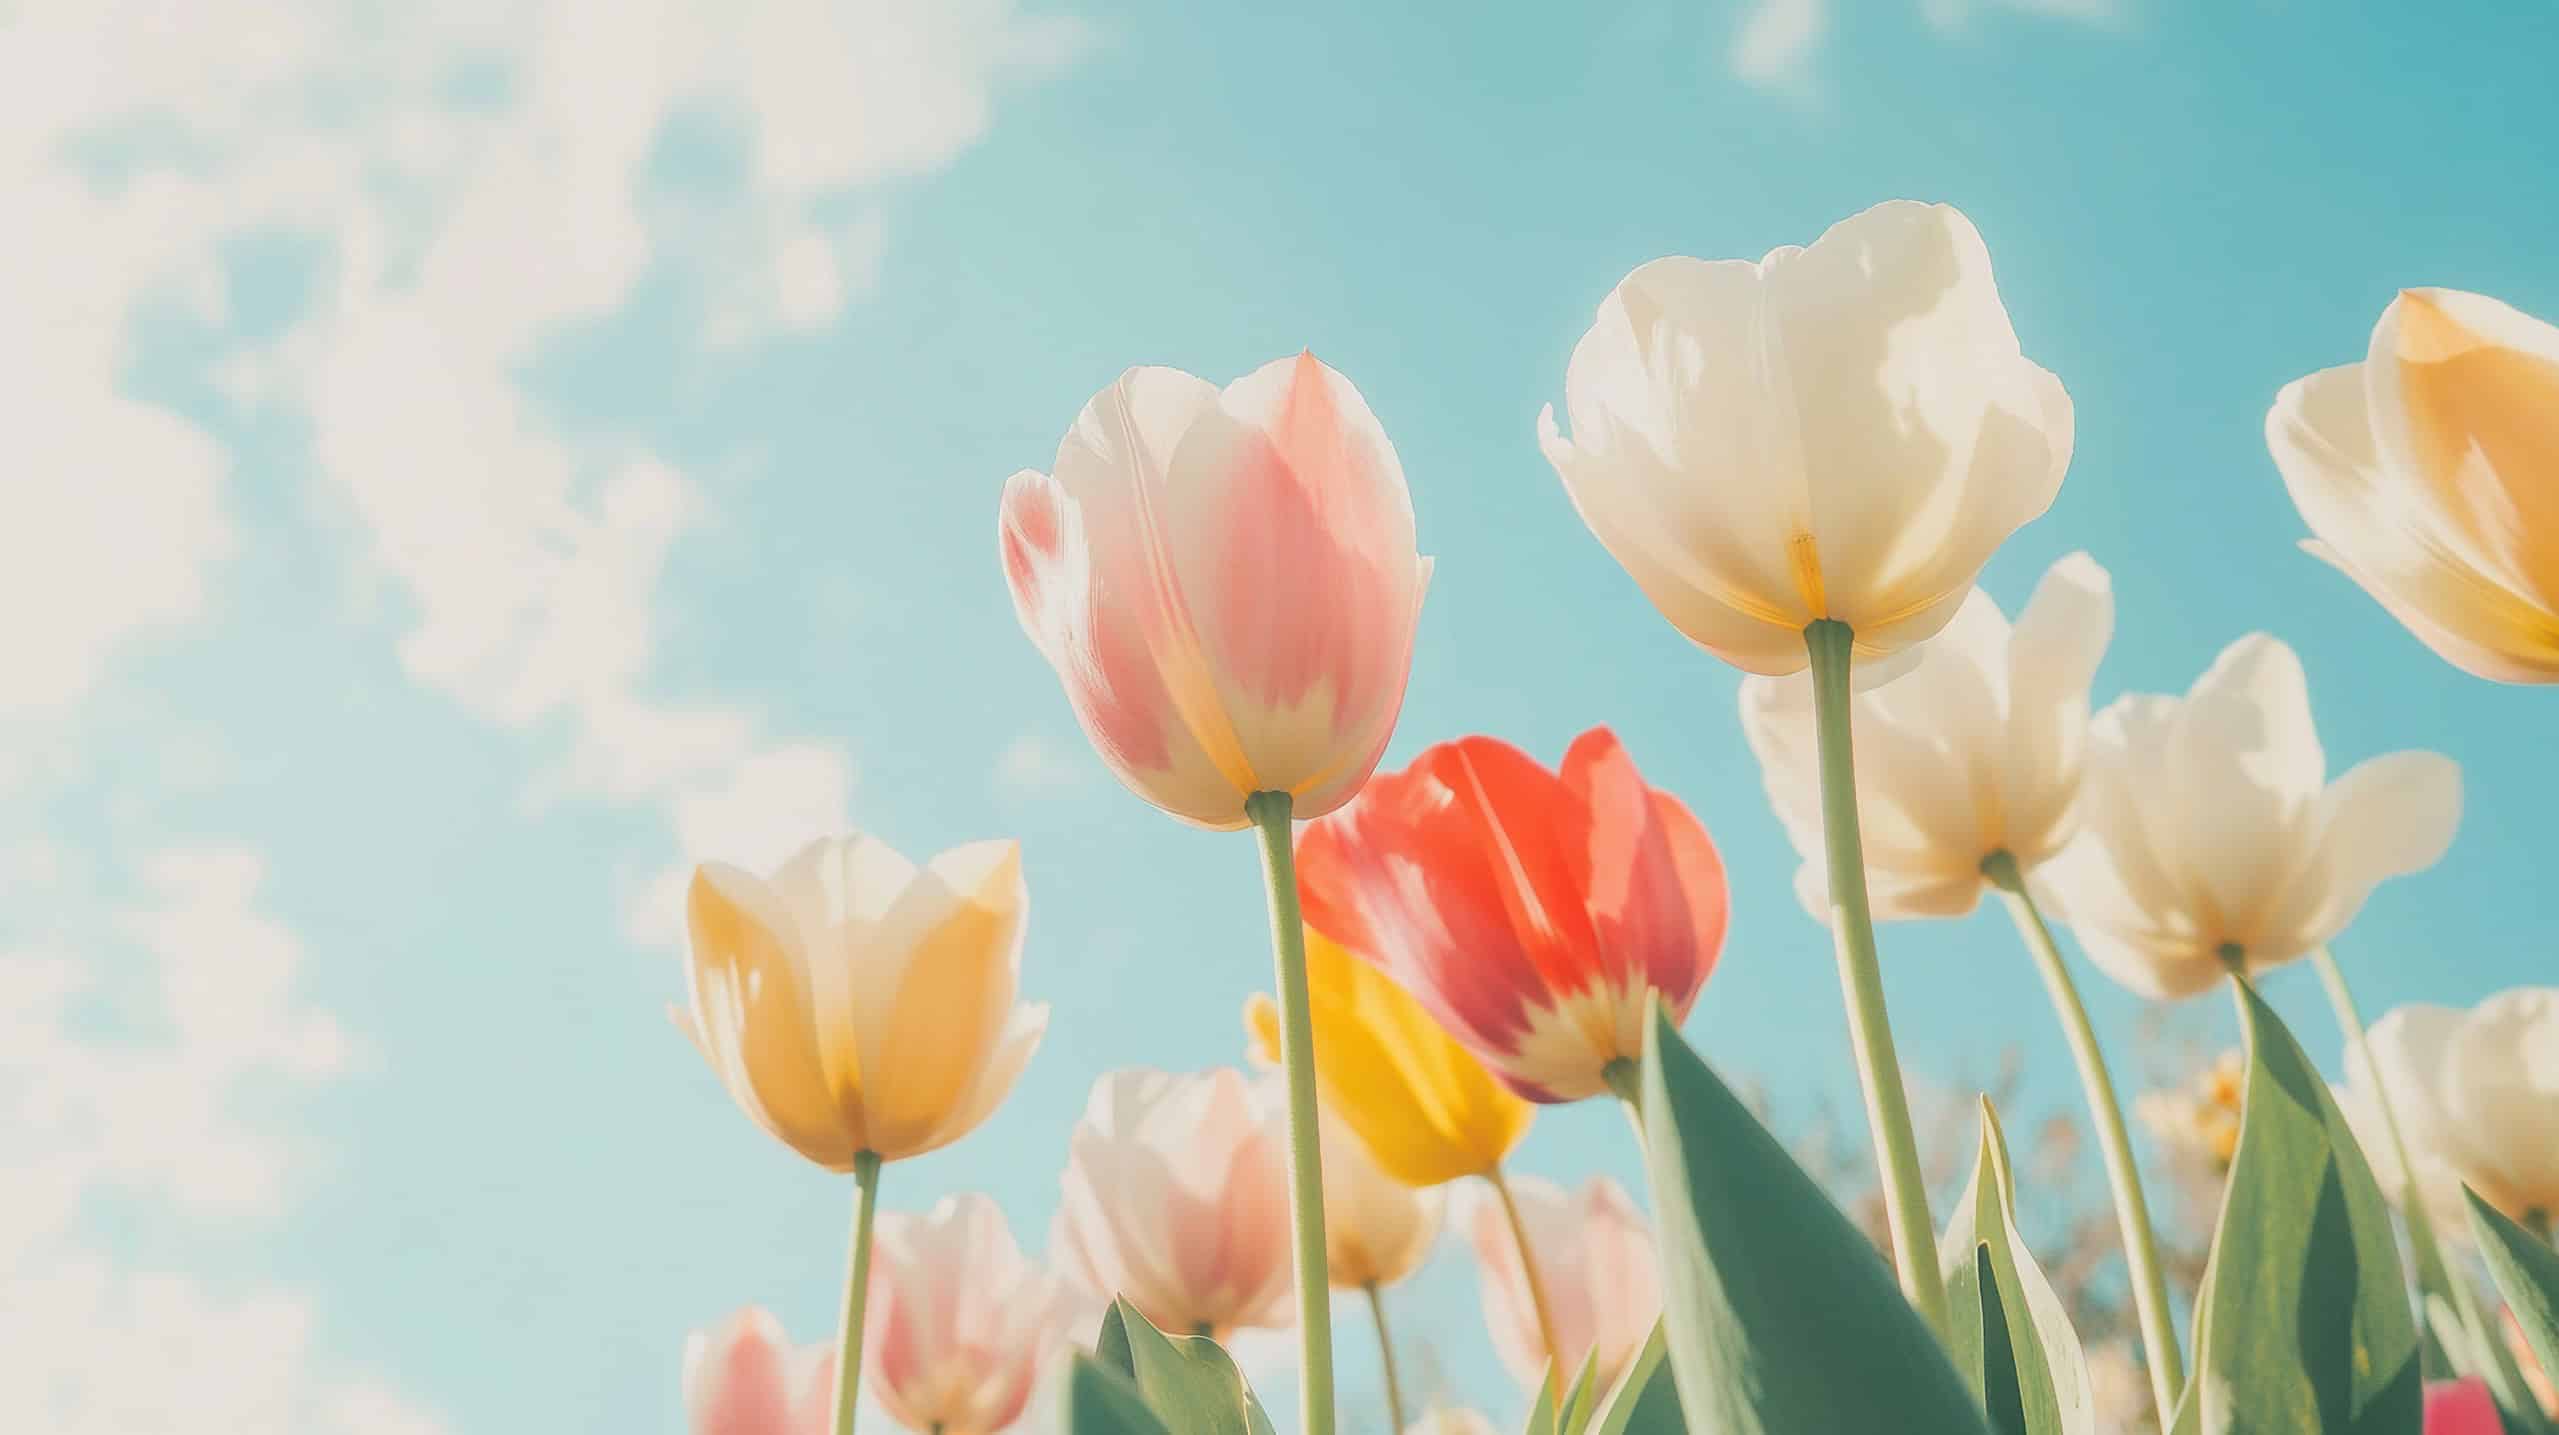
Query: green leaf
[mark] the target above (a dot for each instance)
(1541, 1411)
(2526, 1271)
(1102, 1401)
(1645, 1400)
(2306, 1329)
(1782, 1319)
(2011, 1337)
(1187, 1380)
(1575, 1412)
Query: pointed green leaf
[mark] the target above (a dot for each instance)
(1644, 1401)
(1187, 1380)
(2526, 1271)
(2307, 1328)
(1782, 1319)
(2011, 1338)
(1575, 1412)
(1102, 1401)
(1541, 1411)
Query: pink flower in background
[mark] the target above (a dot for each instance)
(1226, 583)
(2461, 1407)
(961, 1325)
(1530, 911)
(745, 1378)
(1176, 1197)
(1595, 1253)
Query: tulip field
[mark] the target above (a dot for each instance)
(1804, 462)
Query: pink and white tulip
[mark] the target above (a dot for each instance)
(1227, 584)
(1595, 1258)
(962, 1325)
(1176, 1197)
(744, 1377)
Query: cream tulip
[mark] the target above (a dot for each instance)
(1377, 1230)
(1844, 431)
(1227, 584)
(855, 1003)
(963, 1326)
(1595, 1254)
(1979, 748)
(2477, 1097)
(1176, 1197)
(2430, 473)
(2211, 831)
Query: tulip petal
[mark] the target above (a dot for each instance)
(2390, 539)
(957, 950)
(2243, 773)
(1084, 553)
(2501, 1085)
(839, 891)
(1655, 885)
(2465, 395)
(737, 1379)
(752, 1014)
(2387, 817)
(2052, 657)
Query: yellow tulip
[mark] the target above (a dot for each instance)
(1425, 1108)
(856, 1004)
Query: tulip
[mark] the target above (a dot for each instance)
(2476, 1097)
(1227, 584)
(1977, 750)
(1533, 913)
(1422, 1105)
(861, 1011)
(2213, 840)
(745, 1378)
(1806, 462)
(2430, 473)
(966, 1324)
(2461, 1407)
(1601, 1273)
(1176, 1198)
(1843, 433)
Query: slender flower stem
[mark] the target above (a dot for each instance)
(1627, 1081)
(1528, 1270)
(2433, 1277)
(1270, 812)
(2132, 1213)
(857, 1290)
(1870, 1031)
(1386, 1359)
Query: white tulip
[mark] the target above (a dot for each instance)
(2477, 1097)
(2209, 824)
(1845, 431)
(1978, 749)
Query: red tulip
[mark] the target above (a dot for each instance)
(1531, 911)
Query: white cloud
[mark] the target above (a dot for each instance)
(1037, 765)
(1776, 39)
(135, 1088)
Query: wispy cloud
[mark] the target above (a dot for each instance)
(90, 1344)
(1777, 43)
(1036, 765)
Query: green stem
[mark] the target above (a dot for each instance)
(1870, 1032)
(1270, 813)
(1386, 1359)
(2132, 1213)
(1528, 1269)
(1627, 1080)
(2433, 1277)
(857, 1290)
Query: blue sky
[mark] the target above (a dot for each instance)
(461, 470)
